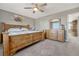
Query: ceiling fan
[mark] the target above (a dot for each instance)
(37, 7)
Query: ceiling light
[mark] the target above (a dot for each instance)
(35, 9)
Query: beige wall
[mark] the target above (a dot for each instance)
(43, 23)
(8, 17)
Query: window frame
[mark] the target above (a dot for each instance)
(55, 22)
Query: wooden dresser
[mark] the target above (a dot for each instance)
(55, 35)
(51, 34)
(61, 35)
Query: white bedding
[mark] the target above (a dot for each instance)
(21, 32)
(18, 31)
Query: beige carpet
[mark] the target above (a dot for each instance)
(49, 48)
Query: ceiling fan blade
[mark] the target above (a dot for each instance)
(27, 7)
(36, 5)
(33, 11)
(40, 10)
(44, 4)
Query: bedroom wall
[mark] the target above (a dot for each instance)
(43, 23)
(8, 17)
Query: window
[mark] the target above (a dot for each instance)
(55, 25)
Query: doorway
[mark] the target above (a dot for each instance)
(72, 27)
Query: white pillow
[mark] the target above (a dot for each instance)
(24, 29)
(14, 29)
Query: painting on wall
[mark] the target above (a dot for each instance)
(18, 18)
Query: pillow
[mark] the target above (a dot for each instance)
(14, 29)
(24, 29)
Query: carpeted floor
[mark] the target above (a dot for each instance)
(49, 48)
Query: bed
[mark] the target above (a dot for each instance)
(16, 40)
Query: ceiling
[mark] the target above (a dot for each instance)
(51, 8)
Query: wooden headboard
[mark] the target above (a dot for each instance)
(7, 26)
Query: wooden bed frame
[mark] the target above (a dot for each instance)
(13, 43)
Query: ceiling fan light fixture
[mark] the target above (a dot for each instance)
(35, 9)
